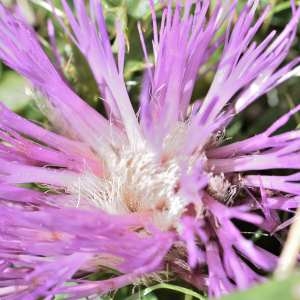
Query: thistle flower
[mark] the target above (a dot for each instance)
(142, 193)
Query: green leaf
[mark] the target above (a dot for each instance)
(13, 91)
(282, 6)
(45, 5)
(133, 66)
(138, 9)
(113, 3)
(147, 294)
(288, 289)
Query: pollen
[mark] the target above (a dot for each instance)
(135, 181)
(140, 181)
(221, 188)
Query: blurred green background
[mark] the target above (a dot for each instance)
(16, 94)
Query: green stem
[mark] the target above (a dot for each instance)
(173, 288)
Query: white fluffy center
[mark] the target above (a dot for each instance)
(138, 181)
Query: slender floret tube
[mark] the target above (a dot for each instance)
(148, 191)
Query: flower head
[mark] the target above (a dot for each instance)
(139, 194)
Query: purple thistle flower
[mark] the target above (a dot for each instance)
(142, 194)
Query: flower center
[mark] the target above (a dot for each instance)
(135, 182)
(140, 181)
